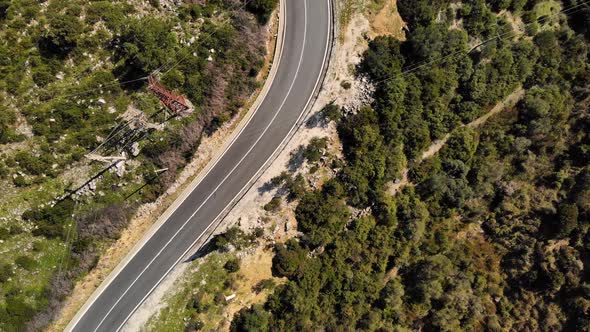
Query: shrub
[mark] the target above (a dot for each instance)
(331, 112)
(234, 236)
(4, 233)
(251, 319)
(297, 187)
(4, 4)
(263, 284)
(195, 325)
(50, 220)
(262, 9)
(20, 181)
(274, 205)
(232, 265)
(198, 302)
(568, 219)
(32, 164)
(314, 150)
(5, 272)
(18, 312)
(25, 262)
(61, 36)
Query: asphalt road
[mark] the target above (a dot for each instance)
(302, 61)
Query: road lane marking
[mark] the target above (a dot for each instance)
(286, 136)
(208, 197)
(199, 179)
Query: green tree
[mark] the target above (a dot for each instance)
(145, 45)
(262, 9)
(568, 218)
(251, 319)
(62, 35)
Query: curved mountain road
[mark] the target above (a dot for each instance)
(301, 63)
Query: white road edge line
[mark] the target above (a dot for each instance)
(197, 181)
(286, 137)
(206, 199)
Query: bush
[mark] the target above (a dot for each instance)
(297, 187)
(18, 313)
(263, 284)
(50, 220)
(4, 233)
(20, 181)
(61, 36)
(331, 112)
(234, 236)
(5, 272)
(274, 205)
(25, 262)
(315, 149)
(251, 319)
(262, 9)
(232, 265)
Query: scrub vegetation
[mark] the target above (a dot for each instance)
(494, 235)
(69, 70)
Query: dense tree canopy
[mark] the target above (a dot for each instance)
(493, 236)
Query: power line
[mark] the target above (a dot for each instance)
(116, 82)
(510, 34)
(102, 87)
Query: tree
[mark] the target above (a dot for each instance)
(262, 9)
(461, 145)
(251, 319)
(420, 13)
(568, 218)
(579, 20)
(383, 58)
(391, 300)
(144, 45)
(315, 149)
(331, 112)
(288, 260)
(478, 18)
(318, 211)
(62, 35)
(427, 279)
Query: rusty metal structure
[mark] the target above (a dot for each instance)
(176, 104)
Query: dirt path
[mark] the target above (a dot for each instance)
(433, 149)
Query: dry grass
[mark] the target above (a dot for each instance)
(388, 22)
(253, 269)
